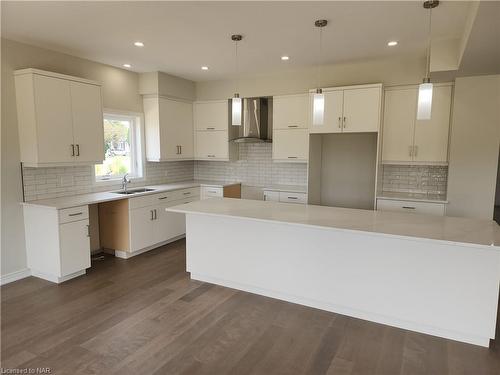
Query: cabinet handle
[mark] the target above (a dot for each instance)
(344, 124)
(292, 157)
(156, 216)
(77, 150)
(212, 191)
(292, 197)
(340, 122)
(410, 150)
(180, 149)
(415, 150)
(76, 214)
(152, 215)
(88, 230)
(409, 207)
(161, 198)
(187, 193)
(211, 156)
(72, 150)
(293, 126)
(210, 128)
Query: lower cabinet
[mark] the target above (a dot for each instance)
(426, 208)
(57, 242)
(285, 197)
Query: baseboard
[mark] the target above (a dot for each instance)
(14, 276)
(129, 254)
(57, 279)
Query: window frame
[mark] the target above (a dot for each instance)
(137, 147)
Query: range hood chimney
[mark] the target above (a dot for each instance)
(256, 122)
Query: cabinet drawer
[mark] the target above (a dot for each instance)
(69, 215)
(187, 193)
(287, 197)
(426, 208)
(149, 200)
(211, 191)
(273, 196)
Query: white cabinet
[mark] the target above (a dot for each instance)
(141, 224)
(273, 196)
(291, 111)
(60, 119)
(350, 109)
(211, 138)
(406, 139)
(285, 196)
(57, 242)
(211, 191)
(291, 145)
(425, 208)
(168, 128)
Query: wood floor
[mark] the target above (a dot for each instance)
(145, 316)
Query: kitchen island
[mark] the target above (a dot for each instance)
(435, 275)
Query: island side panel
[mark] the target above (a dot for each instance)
(446, 290)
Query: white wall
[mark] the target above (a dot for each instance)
(120, 91)
(474, 145)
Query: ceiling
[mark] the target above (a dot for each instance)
(180, 37)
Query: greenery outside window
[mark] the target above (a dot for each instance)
(122, 148)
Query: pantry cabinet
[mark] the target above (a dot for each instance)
(168, 129)
(349, 109)
(291, 145)
(408, 140)
(211, 136)
(60, 119)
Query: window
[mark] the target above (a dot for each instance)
(122, 148)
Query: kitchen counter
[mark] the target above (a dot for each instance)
(422, 227)
(413, 197)
(430, 274)
(287, 188)
(106, 196)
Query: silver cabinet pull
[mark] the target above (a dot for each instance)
(161, 198)
(340, 122)
(292, 157)
(77, 150)
(72, 150)
(210, 128)
(344, 124)
(213, 191)
(76, 214)
(152, 215)
(415, 150)
(180, 149)
(156, 216)
(292, 197)
(409, 207)
(293, 126)
(211, 156)
(88, 231)
(187, 193)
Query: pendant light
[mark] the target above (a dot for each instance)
(424, 108)
(236, 104)
(319, 97)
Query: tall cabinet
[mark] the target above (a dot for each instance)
(60, 119)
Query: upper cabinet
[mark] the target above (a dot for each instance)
(60, 119)
(211, 136)
(350, 109)
(291, 112)
(408, 140)
(168, 128)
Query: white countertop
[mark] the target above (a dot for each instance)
(442, 228)
(289, 188)
(106, 196)
(413, 197)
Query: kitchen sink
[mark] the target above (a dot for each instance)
(133, 191)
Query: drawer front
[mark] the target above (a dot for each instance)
(168, 196)
(288, 197)
(273, 196)
(210, 192)
(187, 193)
(69, 215)
(426, 208)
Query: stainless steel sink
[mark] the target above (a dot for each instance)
(133, 191)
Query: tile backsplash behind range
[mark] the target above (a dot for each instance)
(255, 167)
(41, 183)
(427, 179)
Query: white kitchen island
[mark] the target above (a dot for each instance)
(435, 275)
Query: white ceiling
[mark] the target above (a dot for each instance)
(180, 37)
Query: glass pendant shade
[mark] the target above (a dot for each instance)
(236, 111)
(424, 108)
(318, 109)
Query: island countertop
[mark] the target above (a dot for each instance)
(482, 233)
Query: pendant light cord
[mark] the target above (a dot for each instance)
(429, 38)
(236, 68)
(320, 56)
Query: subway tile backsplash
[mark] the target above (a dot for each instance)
(255, 167)
(427, 179)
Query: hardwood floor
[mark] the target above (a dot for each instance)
(145, 316)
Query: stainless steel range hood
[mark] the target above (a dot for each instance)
(257, 121)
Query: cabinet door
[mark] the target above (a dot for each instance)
(176, 129)
(431, 136)
(169, 224)
(211, 145)
(291, 145)
(211, 115)
(273, 196)
(88, 128)
(399, 123)
(290, 111)
(333, 113)
(141, 228)
(54, 120)
(362, 110)
(74, 242)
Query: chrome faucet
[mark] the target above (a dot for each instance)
(125, 182)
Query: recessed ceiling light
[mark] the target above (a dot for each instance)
(127, 65)
(285, 58)
(204, 68)
(392, 43)
(139, 44)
